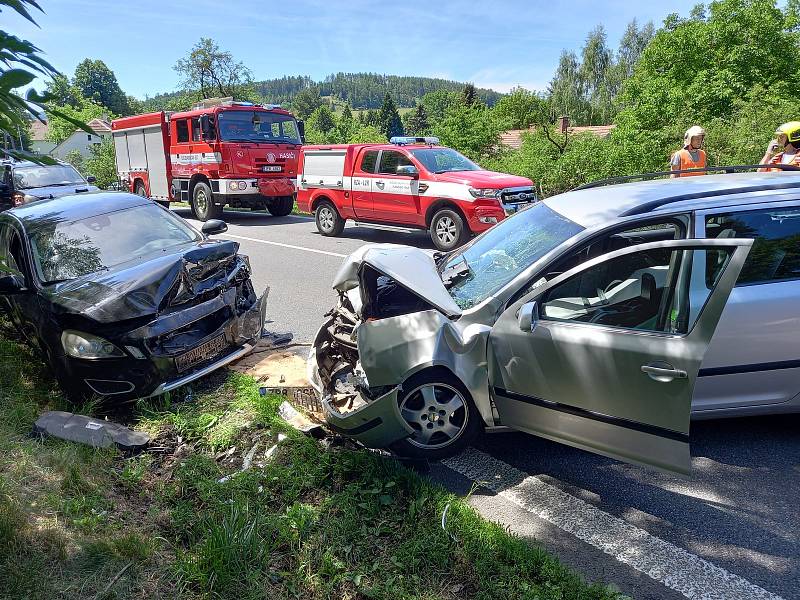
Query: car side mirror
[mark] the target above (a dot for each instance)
(214, 227)
(91, 179)
(205, 126)
(408, 171)
(11, 284)
(528, 316)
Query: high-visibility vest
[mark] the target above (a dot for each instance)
(688, 163)
(778, 160)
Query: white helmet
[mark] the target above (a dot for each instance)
(694, 130)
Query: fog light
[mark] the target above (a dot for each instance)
(233, 185)
(242, 185)
(489, 220)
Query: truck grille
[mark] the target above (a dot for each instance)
(517, 195)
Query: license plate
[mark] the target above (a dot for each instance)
(203, 352)
(272, 168)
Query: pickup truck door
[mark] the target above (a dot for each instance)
(604, 357)
(395, 198)
(361, 184)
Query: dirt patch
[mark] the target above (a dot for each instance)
(275, 367)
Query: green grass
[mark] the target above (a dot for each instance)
(308, 522)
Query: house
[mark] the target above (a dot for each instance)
(80, 141)
(513, 138)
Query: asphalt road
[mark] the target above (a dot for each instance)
(730, 530)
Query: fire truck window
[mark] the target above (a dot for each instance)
(390, 160)
(369, 160)
(197, 135)
(182, 127)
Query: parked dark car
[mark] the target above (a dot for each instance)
(25, 181)
(123, 298)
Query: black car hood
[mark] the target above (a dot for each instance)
(152, 285)
(56, 191)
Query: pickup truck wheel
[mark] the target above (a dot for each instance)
(280, 207)
(440, 410)
(203, 205)
(329, 223)
(448, 230)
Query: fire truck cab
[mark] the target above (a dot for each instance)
(220, 153)
(410, 183)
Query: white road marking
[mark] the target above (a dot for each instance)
(676, 568)
(292, 246)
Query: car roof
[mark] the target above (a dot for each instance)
(75, 206)
(597, 205)
(27, 163)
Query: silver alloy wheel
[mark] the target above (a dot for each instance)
(438, 414)
(201, 201)
(446, 230)
(326, 218)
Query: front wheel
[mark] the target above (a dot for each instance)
(280, 207)
(203, 205)
(440, 410)
(329, 222)
(448, 230)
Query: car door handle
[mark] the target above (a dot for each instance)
(664, 373)
(380, 184)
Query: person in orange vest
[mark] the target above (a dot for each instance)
(787, 136)
(692, 155)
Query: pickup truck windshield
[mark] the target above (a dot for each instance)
(443, 160)
(494, 259)
(257, 126)
(38, 176)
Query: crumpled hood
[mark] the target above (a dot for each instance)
(56, 191)
(412, 268)
(485, 179)
(151, 285)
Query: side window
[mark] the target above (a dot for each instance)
(775, 255)
(369, 160)
(635, 291)
(11, 258)
(182, 130)
(390, 160)
(197, 134)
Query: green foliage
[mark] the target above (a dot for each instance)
(366, 134)
(474, 131)
(437, 103)
(519, 109)
(389, 121)
(214, 72)
(416, 122)
(96, 82)
(305, 102)
(101, 164)
(61, 119)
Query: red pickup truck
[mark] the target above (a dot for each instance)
(410, 183)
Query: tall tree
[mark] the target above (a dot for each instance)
(306, 102)
(632, 44)
(519, 109)
(468, 94)
(389, 121)
(214, 72)
(417, 121)
(437, 104)
(96, 82)
(566, 90)
(62, 92)
(596, 59)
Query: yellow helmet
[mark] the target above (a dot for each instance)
(791, 130)
(694, 130)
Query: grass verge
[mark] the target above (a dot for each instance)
(307, 520)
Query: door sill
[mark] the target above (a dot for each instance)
(385, 227)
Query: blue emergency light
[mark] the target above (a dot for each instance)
(405, 140)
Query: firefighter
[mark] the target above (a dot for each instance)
(787, 136)
(692, 155)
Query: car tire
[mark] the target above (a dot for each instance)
(203, 207)
(448, 230)
(280, 207)
(329, 222)
(423, 399)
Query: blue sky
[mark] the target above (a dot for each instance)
(497, 44)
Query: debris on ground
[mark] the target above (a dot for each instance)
(271, 339)
(299, 421)
(272, 367)
(87, 430)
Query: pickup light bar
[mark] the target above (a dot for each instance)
(405, 140)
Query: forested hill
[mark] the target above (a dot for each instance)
(360, 90)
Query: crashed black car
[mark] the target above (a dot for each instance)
(123, 298)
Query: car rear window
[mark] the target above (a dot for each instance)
(64, 250)
(775, 255)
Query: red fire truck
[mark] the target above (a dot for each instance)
(219, 153)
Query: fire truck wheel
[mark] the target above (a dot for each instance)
(140, 189)
(203, 205)
(329, 223)
(280, 207)
(448, 230)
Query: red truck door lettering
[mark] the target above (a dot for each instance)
(393, 196)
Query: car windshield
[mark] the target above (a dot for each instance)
(503, 252)
(257, 126)
(443, 160)
(64, 250)
(46, 175)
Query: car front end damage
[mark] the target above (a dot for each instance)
(380, 333)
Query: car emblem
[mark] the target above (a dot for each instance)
(240, 154)
(270, 157)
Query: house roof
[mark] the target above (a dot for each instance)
(513, 138)
(38, 130)
(100, 126)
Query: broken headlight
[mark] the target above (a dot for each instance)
(85, 345)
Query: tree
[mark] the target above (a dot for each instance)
(305, 102)
(468, 94)
(519, 109)
(437, 104)
(61, 119)
(566, 89)
(471, 130)
(102, 164)
(214, 72)
(593, 73)
(631, 46)
(62, 92)
(96, 82)
(416, 122)
(389, 121)
(322, 120)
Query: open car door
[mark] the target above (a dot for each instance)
(604, 357)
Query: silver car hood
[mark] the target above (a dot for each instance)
(411, 267)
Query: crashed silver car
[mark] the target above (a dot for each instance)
(588, 319)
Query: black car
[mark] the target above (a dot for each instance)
(25, 181)
(122, 297)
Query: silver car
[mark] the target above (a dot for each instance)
(602, 318)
